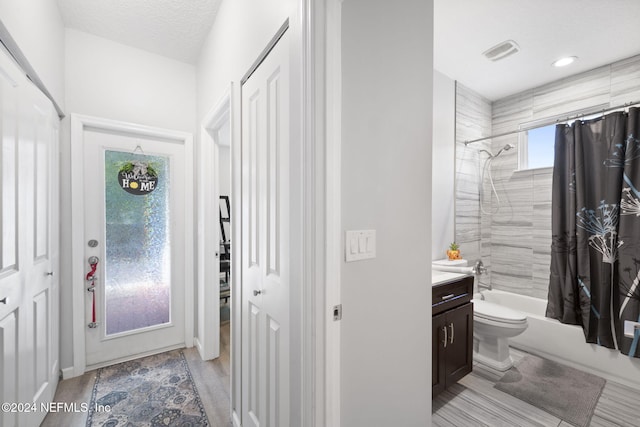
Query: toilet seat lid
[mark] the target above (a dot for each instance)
(492, 311)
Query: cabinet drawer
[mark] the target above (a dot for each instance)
(450, 295)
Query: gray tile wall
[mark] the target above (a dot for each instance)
(473, 120)
(515, 239)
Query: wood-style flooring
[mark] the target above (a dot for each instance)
(212, 380)
(474, 402)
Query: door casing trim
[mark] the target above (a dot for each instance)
(208, 340)
(78, 125)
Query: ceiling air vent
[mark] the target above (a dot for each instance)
(502, 50)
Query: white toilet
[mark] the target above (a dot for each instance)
(493, 324)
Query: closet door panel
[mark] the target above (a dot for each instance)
(28, 245)
(35, 142)
(11, 274)
(9, 365)
(10, 290)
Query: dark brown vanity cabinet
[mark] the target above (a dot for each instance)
(452, 346)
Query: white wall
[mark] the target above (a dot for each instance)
(386, 185)
(37, 28)
(111, 80)
(114, 81)
(444, 174)
(242, 29)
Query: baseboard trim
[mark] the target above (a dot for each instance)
(198, 346)
(68, 373)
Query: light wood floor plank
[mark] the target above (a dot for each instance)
(74, 390)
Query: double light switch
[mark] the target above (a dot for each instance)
(360, 244)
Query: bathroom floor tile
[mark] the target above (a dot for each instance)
(475, 402)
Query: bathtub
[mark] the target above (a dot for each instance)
(565, 343)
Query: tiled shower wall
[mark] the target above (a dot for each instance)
(473, 120)
(516, 238)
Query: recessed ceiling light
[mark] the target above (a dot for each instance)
(563, 62)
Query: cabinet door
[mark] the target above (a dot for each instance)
(459, 350)
(438, 359)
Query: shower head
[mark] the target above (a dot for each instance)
(505, 148)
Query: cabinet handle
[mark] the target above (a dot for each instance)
(448, 296)
(444, 329)
(452, 331)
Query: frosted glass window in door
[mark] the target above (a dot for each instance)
(138, 242)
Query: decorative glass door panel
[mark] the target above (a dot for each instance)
(138, 242)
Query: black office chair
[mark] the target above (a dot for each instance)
(225, 249)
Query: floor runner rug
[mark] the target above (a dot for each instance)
(567, 393)
(153, 391)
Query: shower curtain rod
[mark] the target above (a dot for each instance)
(543, 124)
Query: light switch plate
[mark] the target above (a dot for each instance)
(359, 245)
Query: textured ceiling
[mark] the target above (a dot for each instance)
(599, 32)
(172, 28)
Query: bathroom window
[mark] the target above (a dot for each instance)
(537, 144)
(537, 147)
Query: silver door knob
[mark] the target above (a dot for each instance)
(256, 292)
(49, 273)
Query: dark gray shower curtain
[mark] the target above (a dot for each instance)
(595, 251)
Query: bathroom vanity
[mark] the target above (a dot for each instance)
(452, 312)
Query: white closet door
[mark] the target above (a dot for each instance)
(10, 268)
(28, 248)
(265, 242)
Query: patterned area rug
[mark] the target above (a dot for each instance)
(153, 391)
(565, 392)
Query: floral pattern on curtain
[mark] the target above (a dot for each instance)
(595, 251)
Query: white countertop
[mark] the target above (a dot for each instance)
(440, 277)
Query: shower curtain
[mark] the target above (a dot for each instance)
(595, 250)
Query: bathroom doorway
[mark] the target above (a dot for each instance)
(215, 243)
(225, 219)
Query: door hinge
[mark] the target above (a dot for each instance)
(337, 312)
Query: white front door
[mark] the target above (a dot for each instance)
(134, 241)
(28, 248)
(266, 241)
